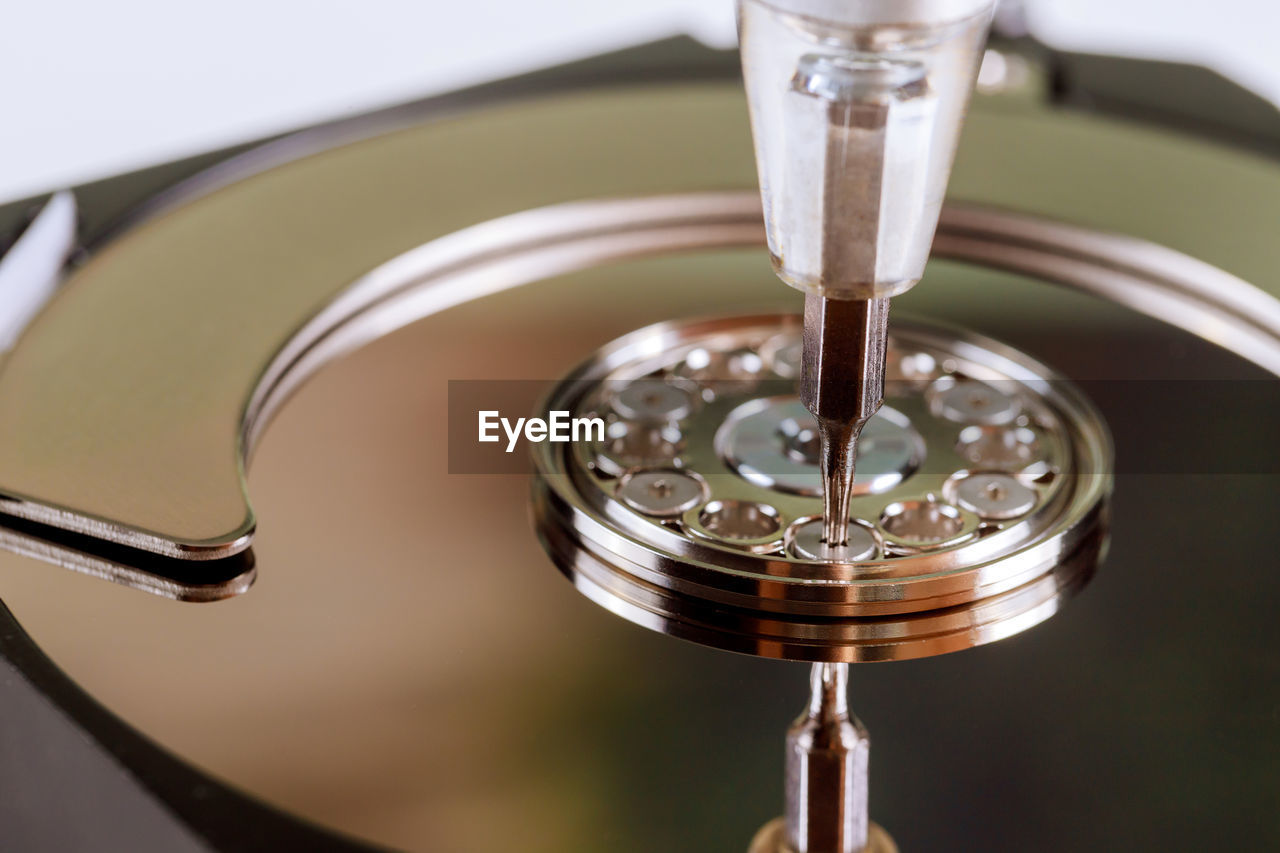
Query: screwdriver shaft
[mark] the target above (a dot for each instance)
(827, 758)
(842, 385)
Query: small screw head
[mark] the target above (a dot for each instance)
(1003, 448)
(784, 354)
(922, 523)
(970, 402)
(632, 445)
(739, 520)
(995, 495)
(661, 492)
(804, 540)
(653, 401)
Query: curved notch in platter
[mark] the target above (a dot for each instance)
(129, 407)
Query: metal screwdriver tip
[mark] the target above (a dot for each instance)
(842, 385)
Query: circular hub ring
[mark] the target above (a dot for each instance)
(740, 583)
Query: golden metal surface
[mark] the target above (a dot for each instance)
(120, 410)
(377, 677)
(158, 341)
(398, 674)
(772, 838)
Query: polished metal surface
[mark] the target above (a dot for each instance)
(1155, 280)
(743, 570)
(169, 399)
(842, 386)
(742, 523)
(195, 582)
(650, 402)
(351, 619)
(772, 838)
(1000, 447)
(889, 449)
(828, 752)
(444, 273)
(926, 523)
(994, 495)
(806, 540)
(974, 403)
(661, 492)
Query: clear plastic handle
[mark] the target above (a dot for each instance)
(856, 108)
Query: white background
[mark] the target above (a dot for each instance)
(97, 87)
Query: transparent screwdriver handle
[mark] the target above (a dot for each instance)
(856, 108)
